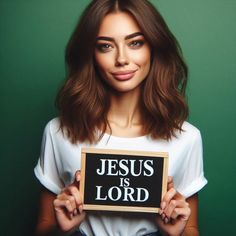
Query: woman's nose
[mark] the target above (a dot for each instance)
(121, 58)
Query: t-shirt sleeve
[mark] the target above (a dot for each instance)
(191, 178)
(46, 169)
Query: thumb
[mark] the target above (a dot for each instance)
(170, 183)
(77, 177)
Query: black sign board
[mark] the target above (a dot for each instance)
(119, 180)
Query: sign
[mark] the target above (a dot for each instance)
(118, 180)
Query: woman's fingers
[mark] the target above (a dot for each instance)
(170, 195)
(68, 201)
(68, 206)
(74, 191)
(64, 206)
(173, 205)
(77, 175)
(170, 183)
(182, 213)
(70, 198)
(167, 198)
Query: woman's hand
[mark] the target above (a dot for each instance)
(174, 212)
(68, 206)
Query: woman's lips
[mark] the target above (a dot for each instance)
(123, 75)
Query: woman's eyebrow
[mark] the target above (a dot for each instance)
(105, 38)
(130, 36)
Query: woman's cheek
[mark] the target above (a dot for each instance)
(104, 62)
(142, 57)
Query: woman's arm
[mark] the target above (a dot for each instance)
(46, 224)
(61, 213)
(192, 224)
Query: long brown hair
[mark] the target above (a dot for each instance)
(83, 100)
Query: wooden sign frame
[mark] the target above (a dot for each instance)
(87, 153)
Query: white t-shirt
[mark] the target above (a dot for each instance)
(60, 159)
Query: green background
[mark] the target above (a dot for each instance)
(33, 35)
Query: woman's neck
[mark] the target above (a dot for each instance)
(124, 115)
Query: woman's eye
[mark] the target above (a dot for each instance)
(104, 47)
(136, 43)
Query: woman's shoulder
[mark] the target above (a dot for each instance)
(190, 128)
(53, 126)
(54, 132)
(54, 122)
(189, 131)
(189, 137)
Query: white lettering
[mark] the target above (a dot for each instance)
(123, 167)
(139, 195)
(103, 167)
(148, 167)
(128, 193)
(111, 193)
(125, 194)
(112, 167)
(98, 197)
(132, 168)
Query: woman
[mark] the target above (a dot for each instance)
(125, 90)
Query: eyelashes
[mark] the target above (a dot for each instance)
(106, 47)
(136, 43)
(103, 47)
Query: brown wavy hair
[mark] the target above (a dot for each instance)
(83, 99)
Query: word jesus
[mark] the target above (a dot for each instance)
(124, 167)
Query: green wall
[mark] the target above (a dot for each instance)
(33, 35)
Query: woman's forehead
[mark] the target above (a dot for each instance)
(118, 25)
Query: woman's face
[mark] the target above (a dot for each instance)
(122, 54)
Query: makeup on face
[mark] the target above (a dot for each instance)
(133, 41)
(122, 52)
